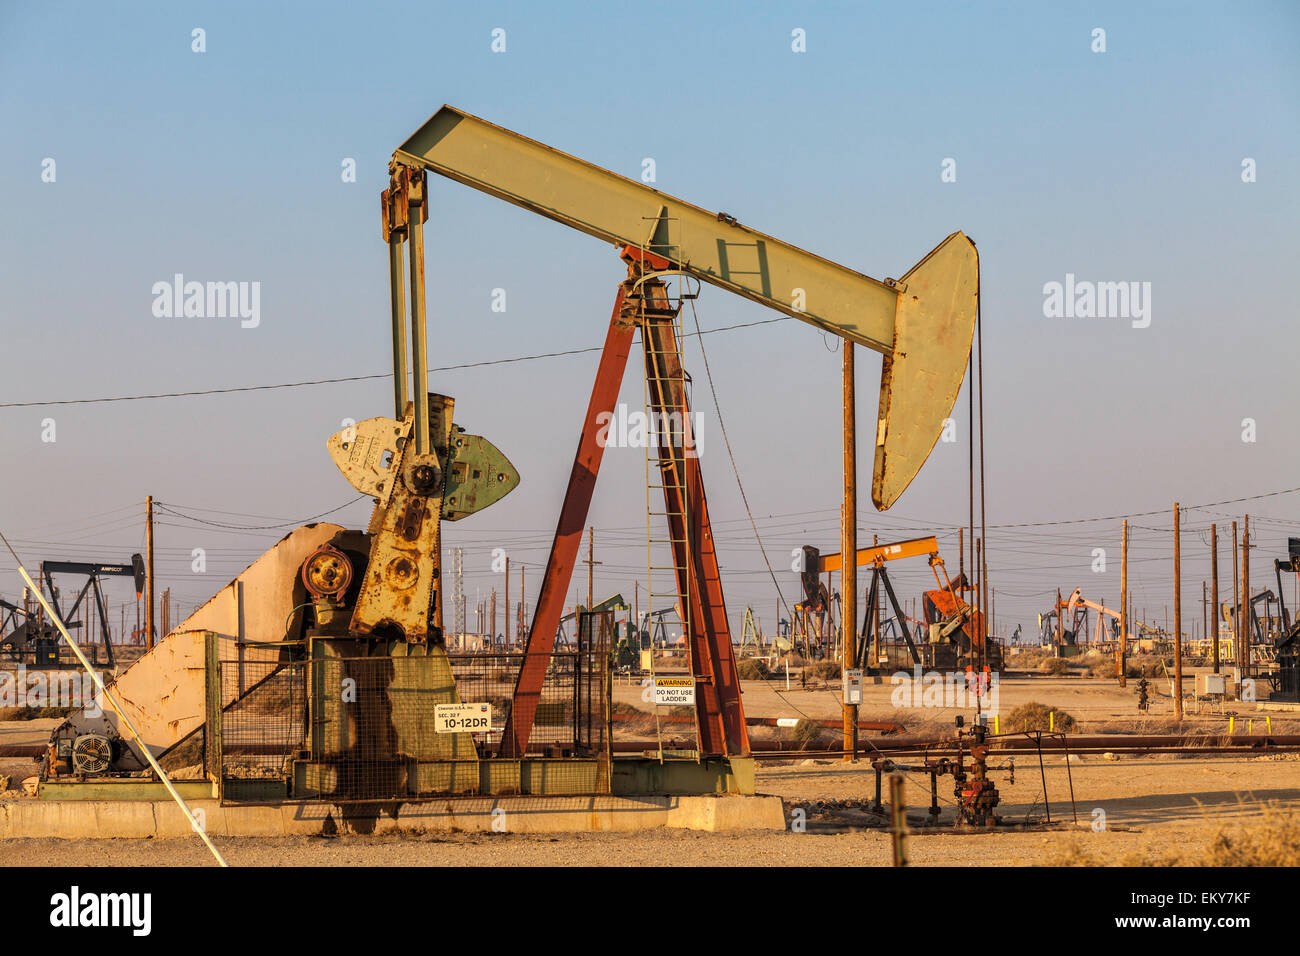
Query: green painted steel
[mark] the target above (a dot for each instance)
(923, 324)
(711, 246)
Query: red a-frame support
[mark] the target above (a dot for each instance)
(643, 301)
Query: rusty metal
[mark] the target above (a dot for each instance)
(402, 578)
(849, 546)
(573, 517)
(1238, 744)
(327, 572)
(721, 718)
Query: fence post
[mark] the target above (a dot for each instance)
(897, 819)
(212, 712)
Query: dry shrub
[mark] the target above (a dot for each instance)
(1274, 841)
(1034, 716)
(1055, 666)
(826, 670)
(753, 668)
(1103, 667)
(808, 733)
(35, 713)
(1028, 659)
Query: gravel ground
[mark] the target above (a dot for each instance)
(1150, 805)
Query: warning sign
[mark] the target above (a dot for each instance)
(674, 690)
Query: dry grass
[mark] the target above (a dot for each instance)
(753, 668)
(1055, 666)
(808, 733)
(1036, 716)
(1273, 841)
(35, 713)
(826, 670)
(1028, 660)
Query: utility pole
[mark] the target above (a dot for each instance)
(1120, 664)
(1205, 630)
(849, 550)
(492, 616)
(148, 613)
(1247, 605)
(1214, 590)
(1178, 621)
(522, 629)
(591, 568)
(507, 604)
(1236, 602)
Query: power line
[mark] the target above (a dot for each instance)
(264, 527)
(346, 378)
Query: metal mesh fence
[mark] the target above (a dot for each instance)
(403, 727)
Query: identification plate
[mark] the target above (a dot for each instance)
(462, 718)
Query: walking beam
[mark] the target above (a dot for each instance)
(922, 323)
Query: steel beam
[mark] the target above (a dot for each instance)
(923, 324)
(568, 532)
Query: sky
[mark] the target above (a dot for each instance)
(128, 156)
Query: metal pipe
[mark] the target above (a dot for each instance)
(849, 549)
(397, 300)
(419, 343)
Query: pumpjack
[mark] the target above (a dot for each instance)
(378, 592)
(956, 631)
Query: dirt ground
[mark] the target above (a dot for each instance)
(1127, 807)
(1149, 806)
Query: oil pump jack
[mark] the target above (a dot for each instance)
(956, 626)
(922, 324)
(379, 592)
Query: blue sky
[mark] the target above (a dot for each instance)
(225, 165)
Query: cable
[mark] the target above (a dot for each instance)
(265, 527)
(346, 378)
(735, 470)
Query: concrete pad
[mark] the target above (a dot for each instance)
(104, 819)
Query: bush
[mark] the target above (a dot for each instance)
(808, 733)
(35, 713)
(1103, 667)
(1274, 841)
(826, 670)
(1034, 716)
(1055, 666)
(753, 668)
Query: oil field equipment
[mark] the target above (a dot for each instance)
(321, 671)
(41, 638)
(956, 631)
